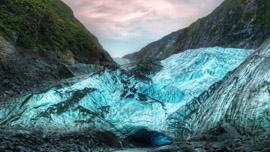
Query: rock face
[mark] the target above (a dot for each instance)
(44, 44)
(49, 25)
(160, 49)
(241, 99)
(119, 100)
(235, 23)
(23, 72)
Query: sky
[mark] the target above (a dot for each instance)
(126, 26)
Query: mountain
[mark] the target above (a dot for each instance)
(241, 99)
(41, 42)
(204, 99)
(159, 49)
(49, 25)
(235, 23)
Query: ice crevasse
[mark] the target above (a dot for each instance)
(119, 101)
(240, 99)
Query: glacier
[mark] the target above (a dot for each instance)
(121, 61)
(241, 99)
(119, 101)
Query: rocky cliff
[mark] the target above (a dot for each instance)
(235, 23)
(49, 25)
(41, 42)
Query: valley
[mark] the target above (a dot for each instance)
(202, 88)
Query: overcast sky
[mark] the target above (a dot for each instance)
(125, 26)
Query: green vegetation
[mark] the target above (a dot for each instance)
(46, 24)
(223, 11)
(231, 21)
(263, 13)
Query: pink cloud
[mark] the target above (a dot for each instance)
(125, 20)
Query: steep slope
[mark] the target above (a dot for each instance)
(49, 25)
(241, 99)
(235, 23)
(160, 49)
(119, 100)
(41, 43)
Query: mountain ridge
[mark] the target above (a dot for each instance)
(159, 49)
(234, 24)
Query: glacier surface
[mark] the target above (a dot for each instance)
(121, 61)
(241, 99)
(119, 101)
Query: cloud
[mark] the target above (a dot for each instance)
(137, 21)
